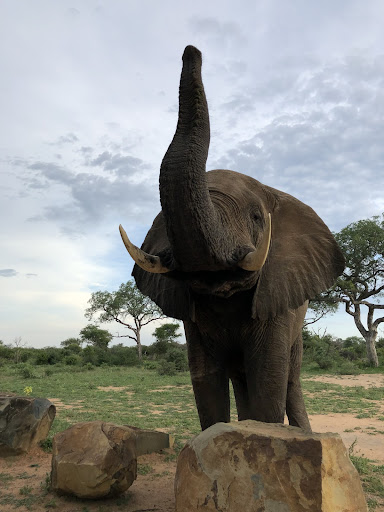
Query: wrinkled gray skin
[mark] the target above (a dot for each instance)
(239, 324)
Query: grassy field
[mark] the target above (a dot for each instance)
(141, 397)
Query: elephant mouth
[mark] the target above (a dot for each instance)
(221, 283)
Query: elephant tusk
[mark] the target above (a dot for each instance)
(144, 260)
(255, 260)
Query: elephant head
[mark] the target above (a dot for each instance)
(222, 232)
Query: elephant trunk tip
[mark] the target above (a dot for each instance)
(191, 54)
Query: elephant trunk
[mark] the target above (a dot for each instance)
(190, 217)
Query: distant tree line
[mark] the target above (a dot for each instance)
(92, 349)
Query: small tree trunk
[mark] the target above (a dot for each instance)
(139, 347)
(370, 341)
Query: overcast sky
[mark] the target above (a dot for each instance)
(88, 106)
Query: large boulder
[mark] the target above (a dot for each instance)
(24, 422)
(94, 460)
(264, 467)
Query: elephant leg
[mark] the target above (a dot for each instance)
(210, 380)
(240, 388)
(296, 410)
(267, 362)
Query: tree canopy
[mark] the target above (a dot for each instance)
(97, 337)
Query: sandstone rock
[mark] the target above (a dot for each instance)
(250, 466)
(149, 441)
(24, 422)
(94, 460)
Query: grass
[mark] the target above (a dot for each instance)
(372, 478)
(141, 397)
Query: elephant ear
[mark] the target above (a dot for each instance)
(170, 295)
(304, 259)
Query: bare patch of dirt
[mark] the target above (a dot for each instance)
(365, 380)
(167, 388)
(367, 434)
(111, 388)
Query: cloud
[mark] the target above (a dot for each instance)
(8, 272)
(320, 143)
(69, 138)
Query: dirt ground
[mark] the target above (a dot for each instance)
(153, 491)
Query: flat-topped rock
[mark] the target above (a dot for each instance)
(250, 466)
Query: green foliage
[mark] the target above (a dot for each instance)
(166, 368)
(72, 360)
(71, 342)
(5, 353)
(179, 358)
(99, 338)
(167, 332)
(49, 355)
(344, 357)
(26, 371)
(123, 356)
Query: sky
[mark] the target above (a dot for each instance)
(88, 107)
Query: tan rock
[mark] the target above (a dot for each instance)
(94, 460)
(250, 466)
(24, 422)
(149, 441)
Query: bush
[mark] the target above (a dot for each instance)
(72, 360)
(48, 372)
(179, 358)
(166, 368)
(347, 368)
(26, 371)
(123, 356)
(49, 355)
(150, 365)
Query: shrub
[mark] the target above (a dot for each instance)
(347, 368)
(166, 368)
(72, 360)
(26, 371)
(48, 372)
(179, 358)
(150, 365)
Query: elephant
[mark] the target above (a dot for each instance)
(237, 262)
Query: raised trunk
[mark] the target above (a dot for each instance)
(189, 214)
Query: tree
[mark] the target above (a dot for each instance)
(165, 336)
(71, 341)
(18, 345)
(95, 336)
(167, 333)
(362, 283)
(127, 302)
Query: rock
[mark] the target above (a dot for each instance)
(250, 466)
(149, 441)
(94, 460)
(24, 422)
